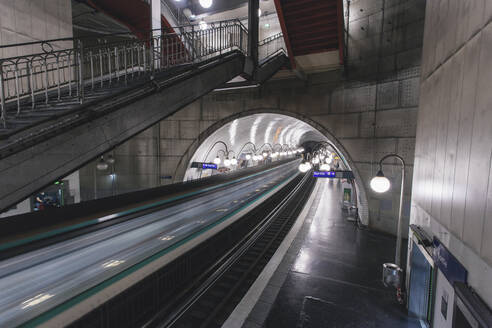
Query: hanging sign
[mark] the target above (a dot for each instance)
(333, 174)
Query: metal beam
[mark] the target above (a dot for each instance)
(253, 30)
(281, 19)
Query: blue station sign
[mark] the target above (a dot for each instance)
(334, 174)
(209, 166)
(204, 166)
(452, 269)
(324, 174)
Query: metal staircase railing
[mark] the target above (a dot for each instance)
(271, 46)
(48, 76)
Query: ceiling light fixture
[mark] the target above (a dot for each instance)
(206, 3)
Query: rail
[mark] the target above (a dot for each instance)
(270, 46)
(53, 74)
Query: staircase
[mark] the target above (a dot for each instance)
(62, 108)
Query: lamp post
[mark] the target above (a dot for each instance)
(381, 184)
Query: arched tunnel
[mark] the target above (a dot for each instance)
(254, 132)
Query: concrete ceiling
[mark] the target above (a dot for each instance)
(229, 8)
(258, 129)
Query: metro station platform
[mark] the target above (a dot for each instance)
(330, 275)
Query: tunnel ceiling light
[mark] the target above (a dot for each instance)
(217, 160)
(304, 167)
(380, 183)
(259, 12)
(248, 157)
(227, 162)
(265, 154)
(324, 167)
(316, 160)
(234, 161)
(206, 3)
(328, 160)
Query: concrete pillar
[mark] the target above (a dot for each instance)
(253, 30)
(155, 23)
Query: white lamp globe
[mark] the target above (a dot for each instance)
(328, 160)
(206, 3)
(265, 154)
(304, 167)
(227, 161)
(217, 160)
(234, 161)
(315, 160)
(324, 167)
(380, 183)
(248, 157)
(322, 157)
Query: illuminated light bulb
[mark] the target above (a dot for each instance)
(206, 3)
(227, 161)
(248, 157)
(234, 161)
(380, 183)
(303, 167)
(324, 167)
(328, 160)
(265, 154)
(315, 160)
(217, 160)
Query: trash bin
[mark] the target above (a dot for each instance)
(392, 275)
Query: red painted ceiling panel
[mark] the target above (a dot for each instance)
(312, 26)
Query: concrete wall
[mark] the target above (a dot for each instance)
(371, 110)
(33, 20)
(452, 195)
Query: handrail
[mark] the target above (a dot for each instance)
(271, 38)
(53, 74)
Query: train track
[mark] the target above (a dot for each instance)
(214, 295)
